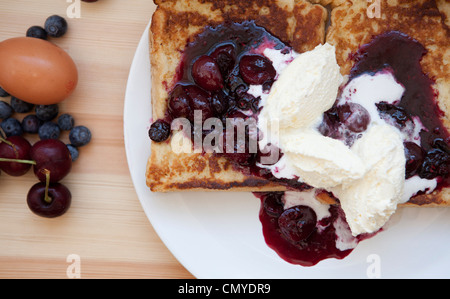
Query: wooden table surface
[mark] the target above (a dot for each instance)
(106, 233)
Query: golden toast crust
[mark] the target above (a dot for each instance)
(302, 25)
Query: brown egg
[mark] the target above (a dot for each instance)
(36, 71)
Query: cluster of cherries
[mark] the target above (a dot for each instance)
(51, 162)
(219, 86)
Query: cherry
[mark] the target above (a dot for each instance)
(199, 100)
(179, 102)
(354, 116)
(49, 200)
(256, 69)
(220, 103)
(397, 113)
(185, 99)
(15, 148)
(273, 204)
(414, 155)
(51, 156)
(297, 223)
(207, 74)
(224, 56)
(330, 125)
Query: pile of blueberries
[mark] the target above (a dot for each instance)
(43, 120)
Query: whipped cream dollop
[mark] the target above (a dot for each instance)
(321, 162)
(369, 201)
(368, 177)
(313, 76)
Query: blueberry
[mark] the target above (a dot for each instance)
(66, 122)
(3, 93)
(398, 114)
(55, 26)
(20, 106)
(5, 110)
(47, 112)
(159, 131)
(49, 130)
(74, 153)
(436, 164)
(37, 32)
(31, 124)
(11, 127)
(80, 136)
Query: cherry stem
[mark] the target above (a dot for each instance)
(10, 144)
(18, 161)
(6, 141)
(47, 184)
(15, 150)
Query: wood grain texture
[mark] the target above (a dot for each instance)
(106, 225)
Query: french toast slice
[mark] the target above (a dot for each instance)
(301, 24)
(298, 23)
(424, 21)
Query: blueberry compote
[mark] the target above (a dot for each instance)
(403, 55)
(216, 71)
(215, 74)
(430, 160)
(298, 235)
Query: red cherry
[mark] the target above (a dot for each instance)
(256, 69)
(16, 148)
(49, 201)
(354, 116)
(273, 204)
(206, 74)
(297, 223)
(414, 158)
(224, 56)
(199, 100)
(53, 156)
(179, 103)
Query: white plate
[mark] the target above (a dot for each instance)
(218, 235)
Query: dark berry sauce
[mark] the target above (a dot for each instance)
(226, 44)
(403, 54)
(297, 247)
(214, 75)
(431, 160)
